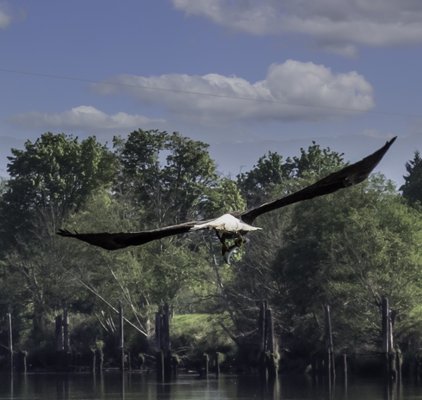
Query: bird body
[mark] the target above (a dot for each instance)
(237, 224)
(226, 223)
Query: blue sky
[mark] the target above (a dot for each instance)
(244, 76)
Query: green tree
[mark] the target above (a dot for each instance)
(348, 250)
(163, 179)
(48, 179)
(378, 254)
(272, 172)
(412, 187)
(316, 161)
(254, 277)
(258, 183)
(165, 175)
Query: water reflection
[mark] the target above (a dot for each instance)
(129, 386)
(62, 387)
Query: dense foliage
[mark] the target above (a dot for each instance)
(348, 249)
(412, 187)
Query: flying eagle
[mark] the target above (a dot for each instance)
(234, 225)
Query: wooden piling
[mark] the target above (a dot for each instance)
(66, 356)
(162, 339)
(269, 328)
(165, 331)
(158, 329)
(59, 334)
(271, 357)
(399, 364)
(206, 360)
(66, 336)
(59, 341)
(62, 341)
(94, 360)
(268, 358)
(390, 370)
(385, 325)
(345, 372)
(217, 364)
(101, 356)
(330, 357)
(261, 326)
(161, 369)
(121, 338)
(22, 363)
(10, 340)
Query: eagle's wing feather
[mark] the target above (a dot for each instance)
(115, 241)
(348, 176)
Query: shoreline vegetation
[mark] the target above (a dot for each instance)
(328, 286)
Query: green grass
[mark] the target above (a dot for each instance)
(201, 331)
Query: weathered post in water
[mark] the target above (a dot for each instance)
(162, 338)
(272, 359)
(387, 341)
(345, 369)
(330, 357)
(121, 338)
(66, 340)
(94, 359)
(385, 311)
(100, 351)
(206, 361)
(261, 326)
(262, 338)
(62, 340)
(217, 363)
(10, 340)
(22, 363)
(59, 339)
(59, 334)
(268, 356)
(66, 336)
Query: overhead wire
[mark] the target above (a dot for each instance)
(207, 94)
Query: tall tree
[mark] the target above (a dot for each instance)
(272, 172)
(348, 250)
(164, 174)
(316, 161)
(412, 187)
(164, 178)
(258, 183)
(254, 277)
(48, 179)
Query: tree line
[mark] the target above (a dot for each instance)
(349, 249)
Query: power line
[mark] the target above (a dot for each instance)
(205, 94)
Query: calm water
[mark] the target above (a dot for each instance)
(134, 386)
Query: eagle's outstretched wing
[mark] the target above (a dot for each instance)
(115, 241)
(348, 176)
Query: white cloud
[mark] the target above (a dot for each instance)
(83, 118)
(334, 24)
(290, 91)
(5, 18)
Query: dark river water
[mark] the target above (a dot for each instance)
(143, 387)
